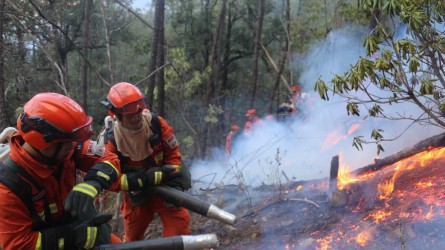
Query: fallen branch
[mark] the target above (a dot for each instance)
(279, 201)
(305, 200)
(431, 142)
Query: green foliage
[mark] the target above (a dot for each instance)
(181, 74)
(371, 44)
(379, 148)
(375, 110)
(189, 34)
(212, 113)
(427, 87)
(409, 68)
(357, 142)
(376, 134)
(352, 108)
(340, 84)
(322, 89)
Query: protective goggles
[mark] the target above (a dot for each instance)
(130, 108)
(51, 132)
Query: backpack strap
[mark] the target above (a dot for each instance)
(19, 182)
(155, 139)
(155, 126)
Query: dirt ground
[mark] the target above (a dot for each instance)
(272, 222)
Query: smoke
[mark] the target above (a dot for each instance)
(303, 148)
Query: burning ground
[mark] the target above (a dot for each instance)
(400, 206)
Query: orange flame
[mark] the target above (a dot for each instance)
(413, 192)
(332, 139)
(353, 128)
(336, 136)
(386, 188)
(344, 177)
(363, 238)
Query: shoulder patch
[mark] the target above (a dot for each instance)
(171, 141)
(95, 148)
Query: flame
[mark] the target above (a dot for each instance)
(344, 177)
(407, 192)
(430, 214)
(363, 237)
(336, 136)
(385, 188)
(325, 242)
(353, 128)
(332, 139)
(424, 184)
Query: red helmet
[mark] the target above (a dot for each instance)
(234, 128)
(125, 98)
(296, 88)
(50, 118)
(251, 112)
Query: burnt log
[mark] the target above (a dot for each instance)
(334, 174)
(431, 142)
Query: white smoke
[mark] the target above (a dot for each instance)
(278, 152)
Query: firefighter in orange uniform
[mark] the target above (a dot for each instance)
(40, 205)
(251, 120)
(296, 95)
(142, 148)
(229, 138)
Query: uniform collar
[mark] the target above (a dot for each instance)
(24, 159)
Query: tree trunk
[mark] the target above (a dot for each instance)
(86, 42)
(215, 55)
(154, 54)
(4, 119)
(256, 49)
(225, 64)
(214, 66)
(107, 42)
(160, 7)
(284, 53)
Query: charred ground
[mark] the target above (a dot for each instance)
(305, 215)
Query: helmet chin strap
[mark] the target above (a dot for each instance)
(53, 159)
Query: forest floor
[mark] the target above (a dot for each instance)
(303, 215)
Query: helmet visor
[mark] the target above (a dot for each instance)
(132, 107)
(83, 133)
(50, 132)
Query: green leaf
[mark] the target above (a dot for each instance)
(413, 64)
(382, 64)
(442, 107)
(375, 110)
(384, 83)
(375, 134)
(352, 109)
(427, 87)
(357, 142)
(322, 89)
(371, 45)
(390, 7)
(340, 84)
(379, 149)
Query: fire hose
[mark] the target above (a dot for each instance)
(192, 242)
(181, 199)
